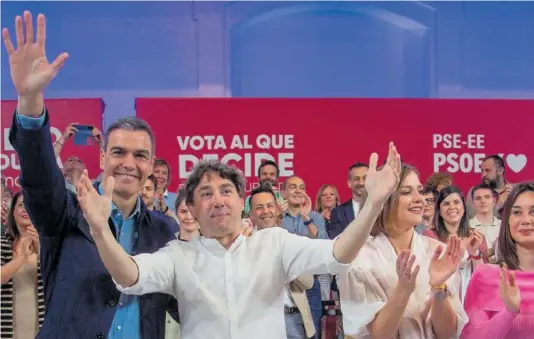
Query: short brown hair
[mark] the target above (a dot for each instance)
(507, 246)
(439, 178)
(386, 220)
(223, 170)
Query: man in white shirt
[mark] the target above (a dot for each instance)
(229, 285)
(484, 199)
(263, 214)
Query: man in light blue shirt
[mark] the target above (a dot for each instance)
(300, 219)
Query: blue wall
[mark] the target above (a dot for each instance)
(122, 50)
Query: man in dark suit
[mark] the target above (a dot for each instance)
(343, 214)
(80, 296)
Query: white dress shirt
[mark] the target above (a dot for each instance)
(371, 280)
(355, 207)
(236, 293)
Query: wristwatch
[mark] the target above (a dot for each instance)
(440, 292)
(306, 223)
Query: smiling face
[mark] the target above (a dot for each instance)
(263, 210)
(22, 220)
(295, 191)
(521, 220)
(410, 203)
(452, 209)
(128, 158)
(186, 219)
(217, 205)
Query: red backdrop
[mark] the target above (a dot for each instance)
(62, 113)
(319, 139)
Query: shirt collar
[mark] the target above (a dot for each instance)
(479, 223)
(114, 208)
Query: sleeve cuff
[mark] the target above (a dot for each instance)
(31, 123)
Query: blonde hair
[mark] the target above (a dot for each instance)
(318, 205)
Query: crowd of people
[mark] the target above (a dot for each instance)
(120, 256)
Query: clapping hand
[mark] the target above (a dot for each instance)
(443, 268)
(380, 184)
(509, 291)
(96, 208)
(407, 277)
(305, 208)
(473, 242)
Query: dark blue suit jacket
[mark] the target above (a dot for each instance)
(80, 296)
(340, 217)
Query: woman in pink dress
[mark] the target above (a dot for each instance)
(500, 301)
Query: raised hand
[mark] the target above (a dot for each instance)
(509, 291)
(443, 268)
(96, 208)
(30, 70)
(70, 130)
(380, 184)
(407, 277)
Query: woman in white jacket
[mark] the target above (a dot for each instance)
(401, 283)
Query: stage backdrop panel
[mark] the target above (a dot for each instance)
(62, 113)
(318, 139)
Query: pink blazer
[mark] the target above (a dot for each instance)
(488, 317)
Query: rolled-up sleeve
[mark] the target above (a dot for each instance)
(359, 304)
(302, 255)
(156, 273)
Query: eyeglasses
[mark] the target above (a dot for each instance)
(430, 201)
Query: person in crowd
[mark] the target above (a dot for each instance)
(450, 218)
(22, 293)
(500, 301)
(343, 214)
(484, 199)
(148, 195)
(429, 200)
(300, 219)
(7, 196)
(80, 295)
(327, 199)
(269, 174)
(402, 284)
(439, 180)
(493, 174)
(164, 199)
(74, 166)
(298, 317)
(189, 227)
(254, 269)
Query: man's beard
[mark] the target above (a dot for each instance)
(491, 183)
(268, 183)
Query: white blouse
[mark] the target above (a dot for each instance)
(371, 280)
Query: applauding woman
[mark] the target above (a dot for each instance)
(22, 300)
(400, 285)
(500, 301)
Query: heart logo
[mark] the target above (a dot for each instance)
(516, 162)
